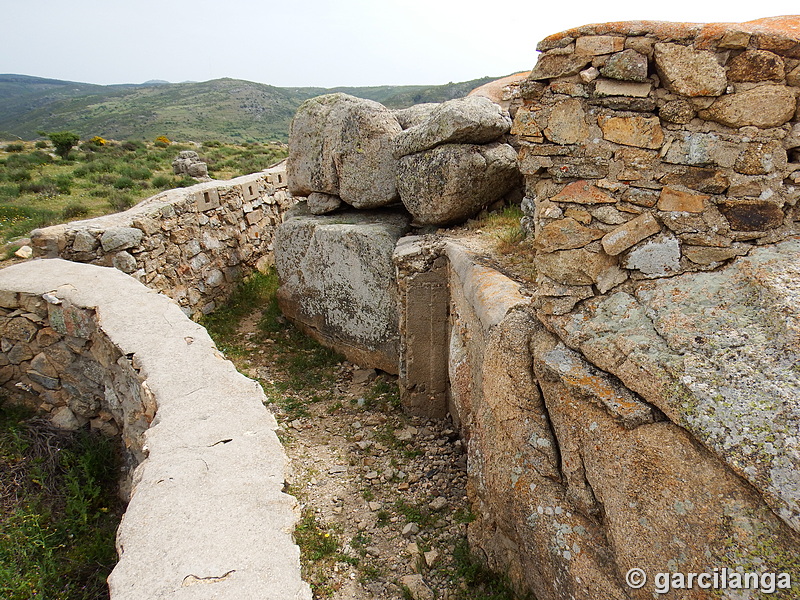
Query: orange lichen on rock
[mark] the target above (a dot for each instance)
(772, 32)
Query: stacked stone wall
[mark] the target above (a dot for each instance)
(653, 149)
(193, 244)
(206, 515)
(59, 362)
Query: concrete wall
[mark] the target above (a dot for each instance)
(192, 243)
(206, 517)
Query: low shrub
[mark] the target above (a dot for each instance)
(133, 146)
(74, 210)
(9, 192)
(18, 175)
(42, 144)
(135, 172)
(123, 183)
(15, 148)
(162, 182)
(185, 181)
(120, 202)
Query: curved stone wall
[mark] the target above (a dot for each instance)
(206, 516)
(192, 243)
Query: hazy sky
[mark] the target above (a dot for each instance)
(313, 42)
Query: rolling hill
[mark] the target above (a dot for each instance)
(229, 110)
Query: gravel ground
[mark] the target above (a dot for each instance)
(382, 494)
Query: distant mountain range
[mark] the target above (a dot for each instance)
(228, 110)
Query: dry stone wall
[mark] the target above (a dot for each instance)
(206, 515)
(652, 149)
(192, 243)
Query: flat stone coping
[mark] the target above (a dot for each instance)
(491, 294)
(782, 32)
(207, 516)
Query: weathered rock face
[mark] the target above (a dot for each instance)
(471, 120)
(337, 281)
(708, 350)
(188, 163)
(654, 430)
(341, 145)
(451, 183)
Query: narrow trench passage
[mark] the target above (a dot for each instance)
(382, 494)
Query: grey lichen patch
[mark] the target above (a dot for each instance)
(738, 389)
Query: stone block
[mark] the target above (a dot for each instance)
(550, 66)
(676, 111)
(583, 192)
(565, 234)
(656, 257)
(250, 191)
(338, 281)
(756, 65)
(610, 87)
(424, 326)
(702, 149)
(705, 255)
(710, 181)
(120, 238)
(642, 132)
(576, 267)
(631, 233)
(594, 45)
(688, 71)
(207, 199)
(525, 123)
(627, 65)
(763, 106)
(751, 215)
(566, 123)
(761, 158)
(673, 199)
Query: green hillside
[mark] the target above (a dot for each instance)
(228, 110)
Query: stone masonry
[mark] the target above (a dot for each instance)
(652, 149)
(206, 517)
(192, 243)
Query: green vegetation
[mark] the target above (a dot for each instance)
(63, 142)
(58, 510)
(303, 363)
(479, 583)
(229, 110)
(512, 250)
(102, 176)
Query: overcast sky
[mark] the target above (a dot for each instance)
(313, 42)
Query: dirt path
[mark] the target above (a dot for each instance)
(382, 494)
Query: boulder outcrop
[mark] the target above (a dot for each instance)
(452, 182)
(445, 162)
(341, 145)
(337, 280)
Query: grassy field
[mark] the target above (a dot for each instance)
(58, 510)
(38, 188)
